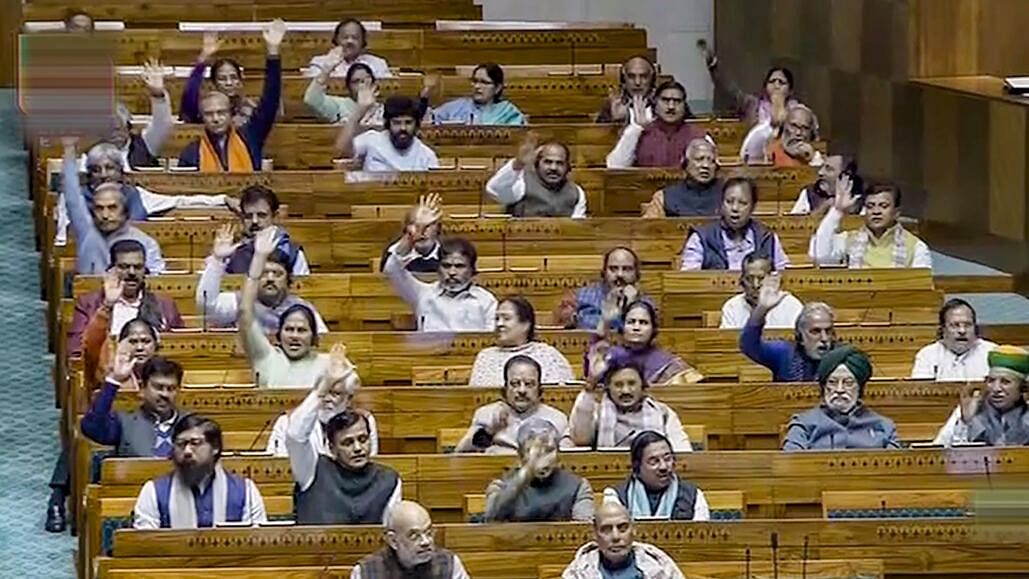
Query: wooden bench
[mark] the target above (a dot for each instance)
(943, 503)
(789, 569)
(724, 505)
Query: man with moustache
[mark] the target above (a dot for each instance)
(410, 549)
(723, 243)
(738, 309)
(793, 360)
(540, 489)
(699, 194)
(342, 486)
(959, 354)
(536, 183)
(637, 78)
(396, 148)
(454, 302)
(352, 39)
(615, 554)
(653, 490)
(818, 197)
(795, 144)
(661, 142)
(128, 265)
(199, 493)
(224, 148)
(999, 416)
(881, 242)
(259, 210)
(617, 287)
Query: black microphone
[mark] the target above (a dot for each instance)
(832, 440)
(503, 249)
(267, 423)
(203, 313)
(803, 560)
(775, 554)
(986, 468)
(748, 562)
(882, 508)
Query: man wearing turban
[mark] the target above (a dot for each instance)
(841, 420)
(998, 417)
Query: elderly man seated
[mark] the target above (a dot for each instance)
(960, 353)
(661, 142)
(199, 492)
(410, 549)
(882, 242)
(1000, 417)
(700, 194)
(637, 77)
(841, 420)
(536, 182)
(789, 360)
(613, 415)
(722, 243)
(614, 552)
(539, 489)
(495, 425)
(738, 309)
(790, 145)
(653, 489)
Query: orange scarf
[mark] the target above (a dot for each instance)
(780, 158)
(238, 155)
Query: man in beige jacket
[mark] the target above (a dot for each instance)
(614, 551)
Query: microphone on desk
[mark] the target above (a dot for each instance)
(882, 508)
(503, 249)
(986, 468)
(748, 563)
(774, 539)
(803, 560)
(203, 313)
(267, 423)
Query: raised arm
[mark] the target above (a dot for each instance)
(828, 247)
(428, 212)
(161, 124)
(623, 155)
(217, 307)
(501, 496)
(189, 108)
(254, 341)
(99, 423)
(263, 119)
(352, 127)
(768, 354)
(582, 421)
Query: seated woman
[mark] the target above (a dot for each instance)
(516, 335)
(336, 109)
(635, 342)
(328, 402)
(486, 106)
(98, 351)
(612, 416)
(841, 420)
(494, 428)
(294, 362)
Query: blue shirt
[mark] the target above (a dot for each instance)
(629, 571)
(785, 359)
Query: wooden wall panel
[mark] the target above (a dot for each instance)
(846, 23)
(940, 155)
(972, 164)
(1004, 44)
(876, 125)
(1007, 171)
(946, 37)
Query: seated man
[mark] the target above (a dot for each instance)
(960, 353)
(636, 79)
(199, 493)
(536, 183)
(738, 309)
(326, 402)
(882, 242)
(624, 409)
(700, 194)
(221, 309)
(453, 303)
(653, 490)
(351, 38)
(396, 148)
(224, 148)
(295, 361)
(614, 552)
(792, 144)
(125, 299)
(841, 420)
(618, 285)
(410, 549)
(663, 141)
(795, 360)
(100, 224)
(426, 246)
(723, 243)
(1000, 416)
(495, 425)
(259, 209)
(818, 197)
(342, 487)
(540, 490)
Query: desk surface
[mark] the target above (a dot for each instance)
(988, 87)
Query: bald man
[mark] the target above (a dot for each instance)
(699, 195)
(614, 552)
(410, 549)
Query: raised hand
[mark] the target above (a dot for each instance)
(527, 152)
(210, 46)
(429, 84)
(619, 110)
(771, 293)
(69, 142)
(366, 97)
(265, 240)
(335, 58)
(778, 100)
(123, 364)
(639, 110)
(844, 200)
(153, 77)
(498, 421)
(339, 365)
(273, 35)
(225, 242)
(971, 401)
(113, 287)
(707, 53)
(428, 212)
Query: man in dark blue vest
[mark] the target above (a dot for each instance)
(696, 196)
(724, 242)
(653, 489)
(199, 493)
(259, 208)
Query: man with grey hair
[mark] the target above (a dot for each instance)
(539, 490)
(615, 552)
(700, 194)
(789, 360)
(410, 549)
(787, 139)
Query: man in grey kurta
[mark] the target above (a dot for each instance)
(841, 420)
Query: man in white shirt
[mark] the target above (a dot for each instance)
(819, 195)
(960, 354)
(737, 309)
(352, 37)
(882, 242)
(536, 184)
(396, 148)
(453, 303)
(199, 493)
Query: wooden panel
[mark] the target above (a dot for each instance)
(1009, 161)
(940, 152)
(846, 24)
(946, 35)
(876, 128)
